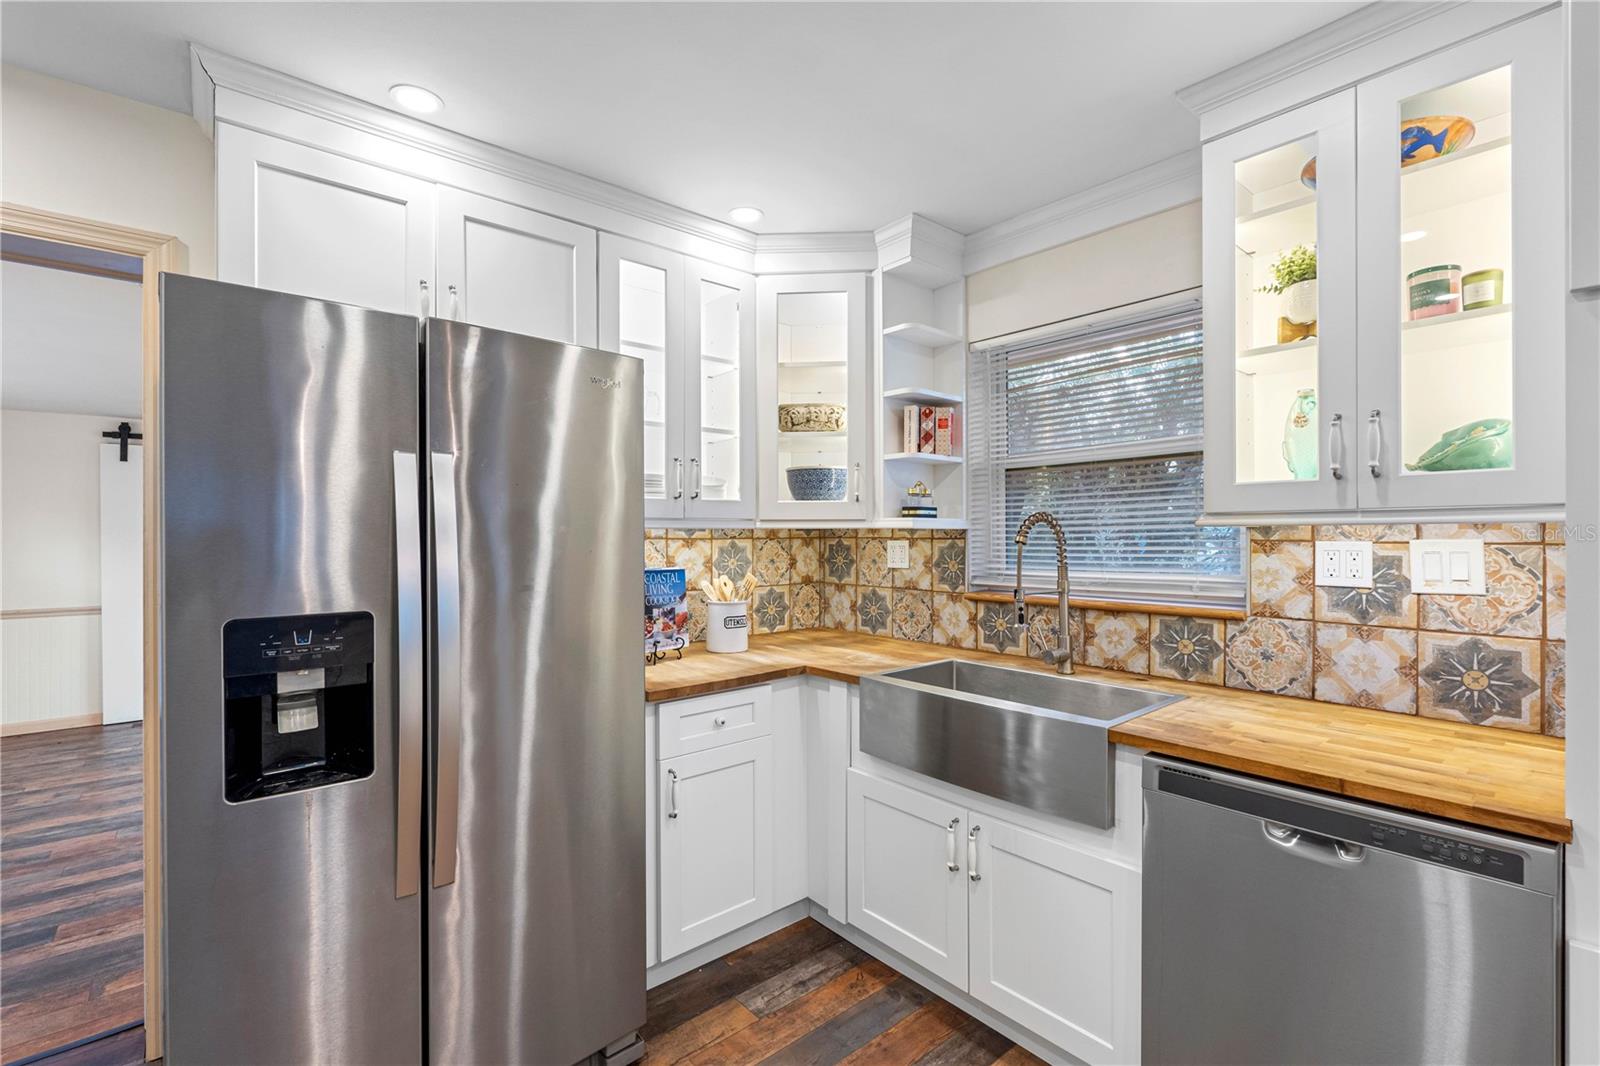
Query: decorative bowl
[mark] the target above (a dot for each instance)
(1421, 139)
(1483, 445)
(810, 417)
(817, 483)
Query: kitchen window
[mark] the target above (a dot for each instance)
(1101, 426)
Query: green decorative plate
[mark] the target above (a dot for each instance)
(1483, 445)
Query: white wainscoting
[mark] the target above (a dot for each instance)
(50, 670)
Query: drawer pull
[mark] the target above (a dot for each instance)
(672, 793)
(720, 720)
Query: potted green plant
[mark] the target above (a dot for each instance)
(1294, 277)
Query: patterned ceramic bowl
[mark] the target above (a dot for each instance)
(817, 483)
(810, 417)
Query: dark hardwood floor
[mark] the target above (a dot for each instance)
(71, 884)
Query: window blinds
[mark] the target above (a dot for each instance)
(1102, 428)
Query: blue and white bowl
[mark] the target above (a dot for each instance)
(817, 483)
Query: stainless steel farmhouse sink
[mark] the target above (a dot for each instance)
(1034, 739)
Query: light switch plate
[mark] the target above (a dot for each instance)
(1454, 567)
(899, 554)
(1344, 563)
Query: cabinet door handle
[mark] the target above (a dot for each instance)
(950, 846)
(677, 478)
(423, 299)
(856, 478)
(672, 793)
(1336, 447)
(1375, 443)
(972, 854)
(455, 304)
(694, 479)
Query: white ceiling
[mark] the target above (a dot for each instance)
(69, 342)
(828, 116)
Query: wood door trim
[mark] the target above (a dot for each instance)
(159, 253)
(46, 612)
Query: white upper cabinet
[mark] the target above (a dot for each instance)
(312, 223)
(693, 326)
(812, 376)
(1420, 372)
(512, 269)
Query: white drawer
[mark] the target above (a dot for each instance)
(711, 721)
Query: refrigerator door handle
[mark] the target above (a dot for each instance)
(447, 593)
(408, 697)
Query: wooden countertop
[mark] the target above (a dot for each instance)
(1490, 777)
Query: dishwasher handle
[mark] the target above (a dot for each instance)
(1313, 845)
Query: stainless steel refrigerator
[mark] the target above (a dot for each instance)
(401, 688)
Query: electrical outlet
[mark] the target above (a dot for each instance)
(899, 554)
(1344, 563)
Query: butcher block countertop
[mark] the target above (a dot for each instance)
(1495, 778)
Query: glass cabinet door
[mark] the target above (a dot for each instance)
(1461, 258)
(641, 314)
(720, 412)
(1279, 219)
(813, 396)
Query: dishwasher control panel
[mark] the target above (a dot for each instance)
(1448, 851)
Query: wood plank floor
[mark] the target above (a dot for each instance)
(71, 886)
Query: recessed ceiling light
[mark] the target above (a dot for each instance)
(746, 216)
(415, 98)
(1412, 235)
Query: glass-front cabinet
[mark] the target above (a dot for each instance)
(812, 390)
(1383, 292)
(692, 324)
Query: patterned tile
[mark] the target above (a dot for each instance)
(839, 560)
(1555, 689)
(805, 606)
(1555, 533)
(918, 573)
(1367, 666)
(1270, 655)
(872, 562)
(998, 629)
(1555, 593)
(947, 534)
(738, 533)
(1280, 532)
(1372, 533)
(839, 607)
(774, 565)
(732, 559)
(1117, 640)
(688, 534)
(955, 621)
(695, 558)
(1389, 602)
(1514, 576)
(1492, 532)
(950, 565)
(768, 532)
(806, 559)
(770, 612)
(913, 614)
(1483, 680)
(697, 616)
(873, 611)
(1075, 633)
(1281, 579)
(655, 551)
(1188, 649)
(1043, 626)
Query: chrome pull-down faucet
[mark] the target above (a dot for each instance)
(1061, 657)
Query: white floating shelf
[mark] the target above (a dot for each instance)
(920, 457)
(1473, 173)
(1486, 325)
(808, 364)
(921, 523)
(795, 440)
(719, 431)
(1275, 228)
(922, 333)
(1299, 356)
(931, 395)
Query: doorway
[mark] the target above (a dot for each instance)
(79, 872)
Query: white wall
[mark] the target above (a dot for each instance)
(82, 152)
(50, 559)
(1135, 261)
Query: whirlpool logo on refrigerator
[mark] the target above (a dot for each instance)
(605, 382)
(736, 621)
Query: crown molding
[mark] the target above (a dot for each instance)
(1356, 30)
(814, 243)
(1147, 191)
(263, 83)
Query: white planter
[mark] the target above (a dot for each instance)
(1300, 302)
(727, 626)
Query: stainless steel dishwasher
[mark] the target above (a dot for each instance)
(1288, 926)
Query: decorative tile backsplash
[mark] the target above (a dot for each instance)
(1497, 660)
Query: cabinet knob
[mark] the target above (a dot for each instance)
(720, 720)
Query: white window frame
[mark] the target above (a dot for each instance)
(987, 540)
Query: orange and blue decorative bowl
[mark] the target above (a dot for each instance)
(1421, 139)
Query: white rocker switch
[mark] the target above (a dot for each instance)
(1451, 567)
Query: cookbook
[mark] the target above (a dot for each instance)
(666, 608)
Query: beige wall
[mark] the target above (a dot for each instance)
(83, 152)
(1135, 261)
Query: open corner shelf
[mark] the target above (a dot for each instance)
(922, 333)
(921, 457)
(933, 396)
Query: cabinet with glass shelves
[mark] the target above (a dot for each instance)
(1383, 322)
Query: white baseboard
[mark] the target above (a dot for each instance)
(42, 725)
(1583, 992)
(678, 965)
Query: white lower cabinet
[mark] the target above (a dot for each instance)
(716, 842)
(906, 874)
(1054, 939)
